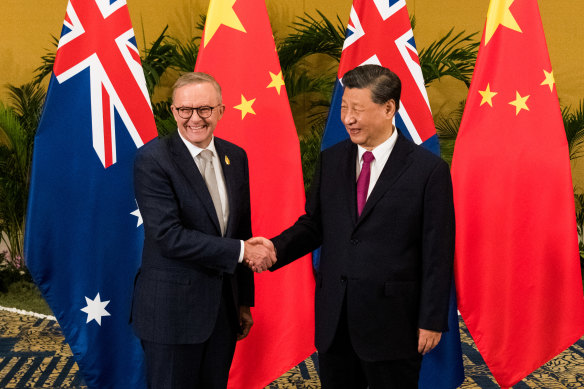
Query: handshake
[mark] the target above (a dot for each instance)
(259, 254)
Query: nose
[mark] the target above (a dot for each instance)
(195, 117)
(348, 117)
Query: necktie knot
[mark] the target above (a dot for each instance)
(368, 157)
(206, 155)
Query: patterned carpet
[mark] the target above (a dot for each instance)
(33, 354)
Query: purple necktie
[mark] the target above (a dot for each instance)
(363, 181)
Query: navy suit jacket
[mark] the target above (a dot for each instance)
(393, 264)
(185, 259)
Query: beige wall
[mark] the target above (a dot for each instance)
(27, 26)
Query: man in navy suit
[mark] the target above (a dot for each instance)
(382, 209)
(192, 294)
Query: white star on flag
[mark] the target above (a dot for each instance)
(139, 216)
(95, 309)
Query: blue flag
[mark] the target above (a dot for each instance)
(380, 33)
(84, 236)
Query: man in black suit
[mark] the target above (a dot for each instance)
(192, 294)
(382, 209)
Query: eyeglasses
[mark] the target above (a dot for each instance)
(204, 112)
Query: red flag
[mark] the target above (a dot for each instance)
(238, 49)
(517, 263)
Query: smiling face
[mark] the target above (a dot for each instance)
(197, 130)
(369, 124)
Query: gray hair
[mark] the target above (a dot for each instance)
(196, 78)
(384, 84)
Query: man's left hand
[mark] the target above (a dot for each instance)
(245, 321)
(427, 340)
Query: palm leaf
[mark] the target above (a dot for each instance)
(185, 56)
(156, 59)
(311, 36)
(447, 130)
(165, 122)
(13, 180)
(574, 127)
(453, 56)
(47, 62)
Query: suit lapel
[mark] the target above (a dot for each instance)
(185, 163)
(350, 179)
(397, 163)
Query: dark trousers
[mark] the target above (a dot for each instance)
(189, 366)
(341, 368)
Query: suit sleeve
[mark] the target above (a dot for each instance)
(437, 250)
(306, 234)
(163, 225)
(245, 277)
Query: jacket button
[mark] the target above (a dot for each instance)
(343, 279)
(354, 242)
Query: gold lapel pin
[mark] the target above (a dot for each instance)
(227, 161)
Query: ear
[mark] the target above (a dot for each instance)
(175, 113)
(221, 110)
(390, 108)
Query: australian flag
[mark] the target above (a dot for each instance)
(380, 33)
(84, 232)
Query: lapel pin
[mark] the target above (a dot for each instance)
(227, 161)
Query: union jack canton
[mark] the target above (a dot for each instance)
(379, 32)
(98, 35)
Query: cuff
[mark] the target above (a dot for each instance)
(241, 252)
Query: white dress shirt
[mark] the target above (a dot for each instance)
(194, 151)
(381, 154)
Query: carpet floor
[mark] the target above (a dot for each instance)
(33, 354)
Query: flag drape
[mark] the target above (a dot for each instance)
(517, 263)
(238, 49)
(380, 33)
(83, 235)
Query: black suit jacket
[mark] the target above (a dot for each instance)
(393, 264)
(178, 287)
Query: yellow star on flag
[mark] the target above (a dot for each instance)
(549, 80)
(221, 12)
(487, 95)
(245, 107)
(519, 103)
(277, 81)
(499, 15)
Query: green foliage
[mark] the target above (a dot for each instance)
(156, 60)
(453, 56)
(579, 200)
(47, 62)
(574, 126)
(18, 125)
(311, 36)
(310, 152)
(24, 295)
(447, 130)
(165, 122)
(186, 54)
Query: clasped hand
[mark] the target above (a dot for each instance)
(259, 254)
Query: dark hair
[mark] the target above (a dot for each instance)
(383, 83)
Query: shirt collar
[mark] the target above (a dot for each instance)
(195, 150)
(379, 151)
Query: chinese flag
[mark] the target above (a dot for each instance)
(238, 49)
(517, 263)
